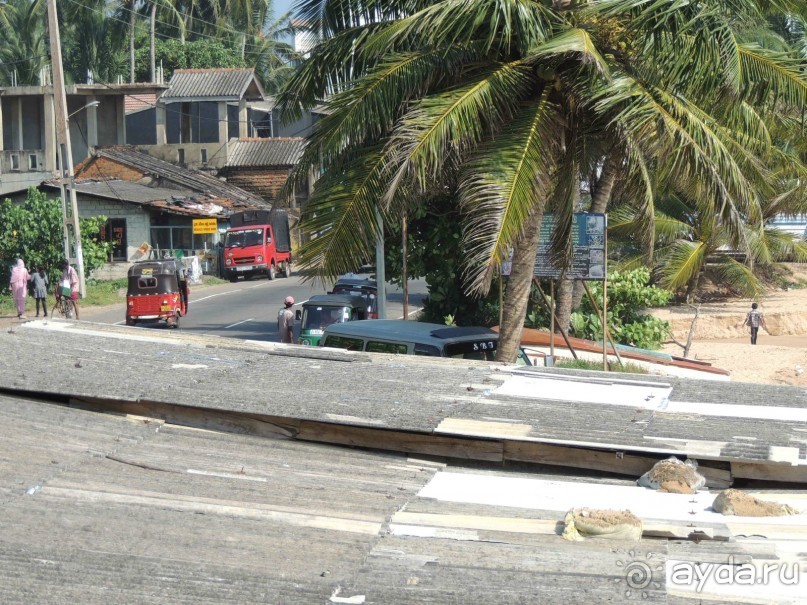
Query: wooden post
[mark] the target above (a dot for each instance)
(552, 314)
(405, 271)
(607, 332)
(552, 319)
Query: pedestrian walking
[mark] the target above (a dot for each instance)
(39, 289)
(19, 286)
(754, 320)
(285, 321)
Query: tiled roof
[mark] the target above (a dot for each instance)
(254, 153)
(193, 180)
(140, 101)
(170, 200)
(212, 84)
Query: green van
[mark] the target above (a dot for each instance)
(323, 310)
(415, 338)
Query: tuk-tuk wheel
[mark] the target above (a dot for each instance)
(287, 272)
(271, 272)
(174, 322)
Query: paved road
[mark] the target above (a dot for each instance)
(248, 309)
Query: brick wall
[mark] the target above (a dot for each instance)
(104, 168)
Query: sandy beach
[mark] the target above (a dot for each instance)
(778, 358)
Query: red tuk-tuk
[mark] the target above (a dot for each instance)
(158, 290)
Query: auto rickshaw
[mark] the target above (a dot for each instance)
(322, 310)
(158, 291)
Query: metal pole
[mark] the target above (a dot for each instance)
(63, 140)
(380, 275)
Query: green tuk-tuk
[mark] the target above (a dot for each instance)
(323, 310)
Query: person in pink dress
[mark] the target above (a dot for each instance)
(19, 286)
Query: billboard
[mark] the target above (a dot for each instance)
(588, 248)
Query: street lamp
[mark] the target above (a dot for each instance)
(87, 106)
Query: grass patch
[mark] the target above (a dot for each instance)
(583, 364)
(212, 280)
(99, 293)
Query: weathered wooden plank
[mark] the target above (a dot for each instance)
(611, 462)
(769, 472)
(399, 441)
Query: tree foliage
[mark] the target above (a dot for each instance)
(33, 231)
(629, 294)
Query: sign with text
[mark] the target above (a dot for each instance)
(204, 225)
(588, 248)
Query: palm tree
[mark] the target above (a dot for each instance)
(23, 48)
(516, 100)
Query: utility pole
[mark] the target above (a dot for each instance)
(380, 274)
(65, 152)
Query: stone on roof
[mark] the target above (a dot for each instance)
(213, 85)
(253, 153)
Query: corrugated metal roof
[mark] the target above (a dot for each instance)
(193, 180)
(250, 153)
(220, 84)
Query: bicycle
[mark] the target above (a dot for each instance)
(64, 307)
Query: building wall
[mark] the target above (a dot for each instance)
(137, 230)
(141, 127)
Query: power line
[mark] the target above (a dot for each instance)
(165, 23)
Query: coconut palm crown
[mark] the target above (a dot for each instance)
(514, 102)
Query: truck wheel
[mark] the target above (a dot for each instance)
(287, 272)
(271, 272)
(131, 321)
(233, 278)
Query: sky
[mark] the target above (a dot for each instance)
(281, 6)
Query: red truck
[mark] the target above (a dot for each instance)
(257, 243)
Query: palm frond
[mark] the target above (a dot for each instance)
(503, 183)
(682, 261)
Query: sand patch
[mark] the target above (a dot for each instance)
(584, 523)
(740, 504)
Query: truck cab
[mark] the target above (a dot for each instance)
(257, 243)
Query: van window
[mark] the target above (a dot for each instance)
(482, 349)
(427, 350)
(386, 347)
(343, 342)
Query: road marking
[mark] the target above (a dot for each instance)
(238, 323)
(197, 300)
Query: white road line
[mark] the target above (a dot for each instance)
(226, 293)
(238, 323)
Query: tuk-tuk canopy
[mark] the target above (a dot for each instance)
(168, 266)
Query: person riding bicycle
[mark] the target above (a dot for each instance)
(69, 278)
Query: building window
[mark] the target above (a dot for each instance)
(32, 163)
(115, 232)
(15, 161)
(181, 157)
(204, 156)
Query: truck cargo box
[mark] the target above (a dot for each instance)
(278, 218)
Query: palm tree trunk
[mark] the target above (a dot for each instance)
(563, 304)
(152, 50)
(599, 203)
(132, 23)
(519, 285)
